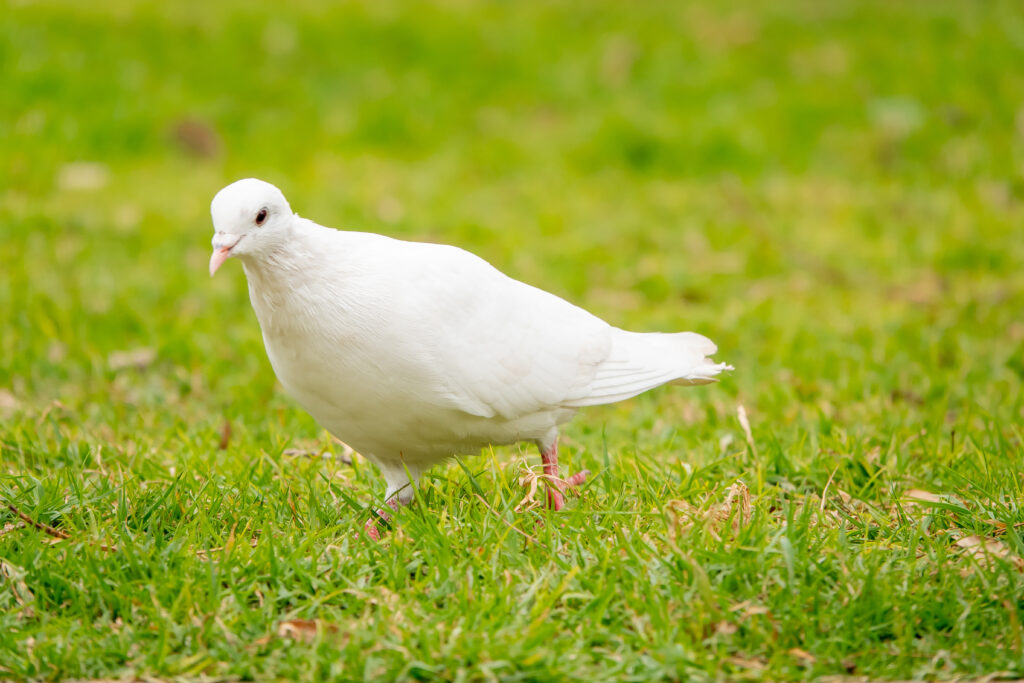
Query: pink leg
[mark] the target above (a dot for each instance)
(371, 527)
(557, 486)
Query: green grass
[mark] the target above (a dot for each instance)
(831, 191)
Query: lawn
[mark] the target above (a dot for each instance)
(832, 191)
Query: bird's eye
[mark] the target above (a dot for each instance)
(261, 216)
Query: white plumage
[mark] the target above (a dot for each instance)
(412, 352)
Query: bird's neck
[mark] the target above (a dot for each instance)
(298, 275)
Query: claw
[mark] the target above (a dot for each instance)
(556, 486)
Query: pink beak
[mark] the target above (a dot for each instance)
(223, 242)
(218, 257)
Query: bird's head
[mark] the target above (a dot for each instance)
(250, 217)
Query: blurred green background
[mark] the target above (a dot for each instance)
(833, 192)
(845, 176)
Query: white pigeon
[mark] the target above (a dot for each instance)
(413, 352)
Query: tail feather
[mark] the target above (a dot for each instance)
(641, 361)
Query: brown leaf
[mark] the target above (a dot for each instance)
(755, 664)
(929, 288)
(922, 496)
(196, 137)
(305, 630)
(747, 609)
(917, 499)
(82, 175)
(10, 526)
(726, 628)
(906, 396)
(135, 359)
(300, 453)
(803, 655)
(983, 550)
(8, 402)
(225, 435)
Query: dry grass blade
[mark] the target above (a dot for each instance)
(736, 506)
(319, 451)
(530, 481)
(739, 495)
(741, 415)
(54, 406)
(504, 521)
(1000, 527)
(57, 534)
(824, 492)
(14, 577)
(205, 553)
(301, 453)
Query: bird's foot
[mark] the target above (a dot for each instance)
(557, 488)
(372, 528)
(556, 485)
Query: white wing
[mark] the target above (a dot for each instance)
(499, 346)
(502, 347)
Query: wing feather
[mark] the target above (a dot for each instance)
(500, 347)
